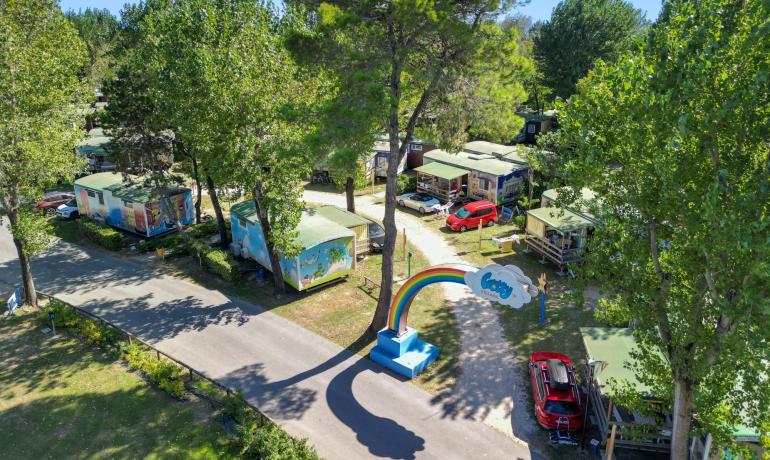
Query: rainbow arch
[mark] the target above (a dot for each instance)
(399, 307)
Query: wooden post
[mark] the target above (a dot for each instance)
(481, 225)
(157, 353)
(611, 443)
(404, 252)
(191, 373)
(129, 339)
(609, 412)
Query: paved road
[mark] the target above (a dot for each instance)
(346, 406)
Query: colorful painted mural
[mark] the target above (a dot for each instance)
(328, 249)
(105, 197)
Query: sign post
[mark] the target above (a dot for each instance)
(52, 317)
(543, 285)
(13, 301)
(409, 264)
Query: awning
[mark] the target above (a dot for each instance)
(441, 170)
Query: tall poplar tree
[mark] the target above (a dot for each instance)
(675, 140)
(41, 58)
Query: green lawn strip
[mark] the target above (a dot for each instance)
(62, 399)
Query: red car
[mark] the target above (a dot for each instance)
(469, 216)
(52, 200)
(556, 395)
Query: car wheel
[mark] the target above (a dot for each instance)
(422, 210)
(463, 229)
(401, 203)
(490, 223)
(74, 215)
(50, 212)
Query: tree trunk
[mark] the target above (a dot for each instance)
(275, 261)
(350, 186)
(224, 238)
(391, 185)
(30, 295)
(683, 407)
(198, 190)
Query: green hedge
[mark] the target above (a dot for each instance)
(104, 236)
(216, 260)
(92, 331)
(203, 230)
(263, 440)
(407, 183)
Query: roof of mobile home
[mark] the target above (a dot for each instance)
(95, 142)
(512, 153)
(442, 170)
(341, 216)
(313, 228)
(561, 219)
(132, 190)
(586, 194)
(484, 163)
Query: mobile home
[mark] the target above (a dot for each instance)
(488, 176)
(348, 220)
(129, 205)
(327, 248)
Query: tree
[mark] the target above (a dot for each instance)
(142, 141)
(579, 33)
(396, 56)
(674, 138)
(41, 57)
(98, 28)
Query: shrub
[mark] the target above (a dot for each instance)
(165, 374)
(406, 184)
(520, 221)
(203, 230)
(104, 236)
(64, 316)
(222, 264)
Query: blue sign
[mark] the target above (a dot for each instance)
(503, 284)
(13, 301)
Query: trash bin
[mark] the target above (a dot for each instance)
(160, 252)
(506, 246)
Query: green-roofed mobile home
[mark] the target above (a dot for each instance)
(327, 254)
(94, 148)
(348, 220)
(129, 205)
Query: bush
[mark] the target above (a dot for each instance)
(406, 184)
(520, 221)
(165, 374)
(216, 260)
(222, 264)
(64, 316)
(203, 230)
(104, 236)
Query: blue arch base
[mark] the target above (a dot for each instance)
(406, 354)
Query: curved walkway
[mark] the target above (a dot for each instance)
(491, 387)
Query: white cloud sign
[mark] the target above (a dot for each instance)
(506, 285)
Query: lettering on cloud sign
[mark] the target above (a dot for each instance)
(506, 285)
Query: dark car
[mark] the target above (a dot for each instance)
(556, 395)
(376, 237)
(50, 201)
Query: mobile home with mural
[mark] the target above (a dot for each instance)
(129, 205)
(328, 248)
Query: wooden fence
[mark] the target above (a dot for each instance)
(191, 371)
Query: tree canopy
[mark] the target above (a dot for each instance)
(41, 58)
(580, 32)
(674, 139)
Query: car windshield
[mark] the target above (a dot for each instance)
(72, 203)
(561, 407)
(376, 230)
(421, 197)
(462, 213)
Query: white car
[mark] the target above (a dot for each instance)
(68, 210)
(418, 201)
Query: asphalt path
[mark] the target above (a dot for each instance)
(346, 406)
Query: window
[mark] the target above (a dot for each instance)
(531, 128)
(484, 212)
(485, 184)
(101, 197)
(561, 407)
(91, 193)
(539, 381)
(242, 222)
(416, 147)
(462, 213)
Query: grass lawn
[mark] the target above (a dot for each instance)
(522, 327)
(62, 399)
(368, 189)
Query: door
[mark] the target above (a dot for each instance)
(473, 219)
